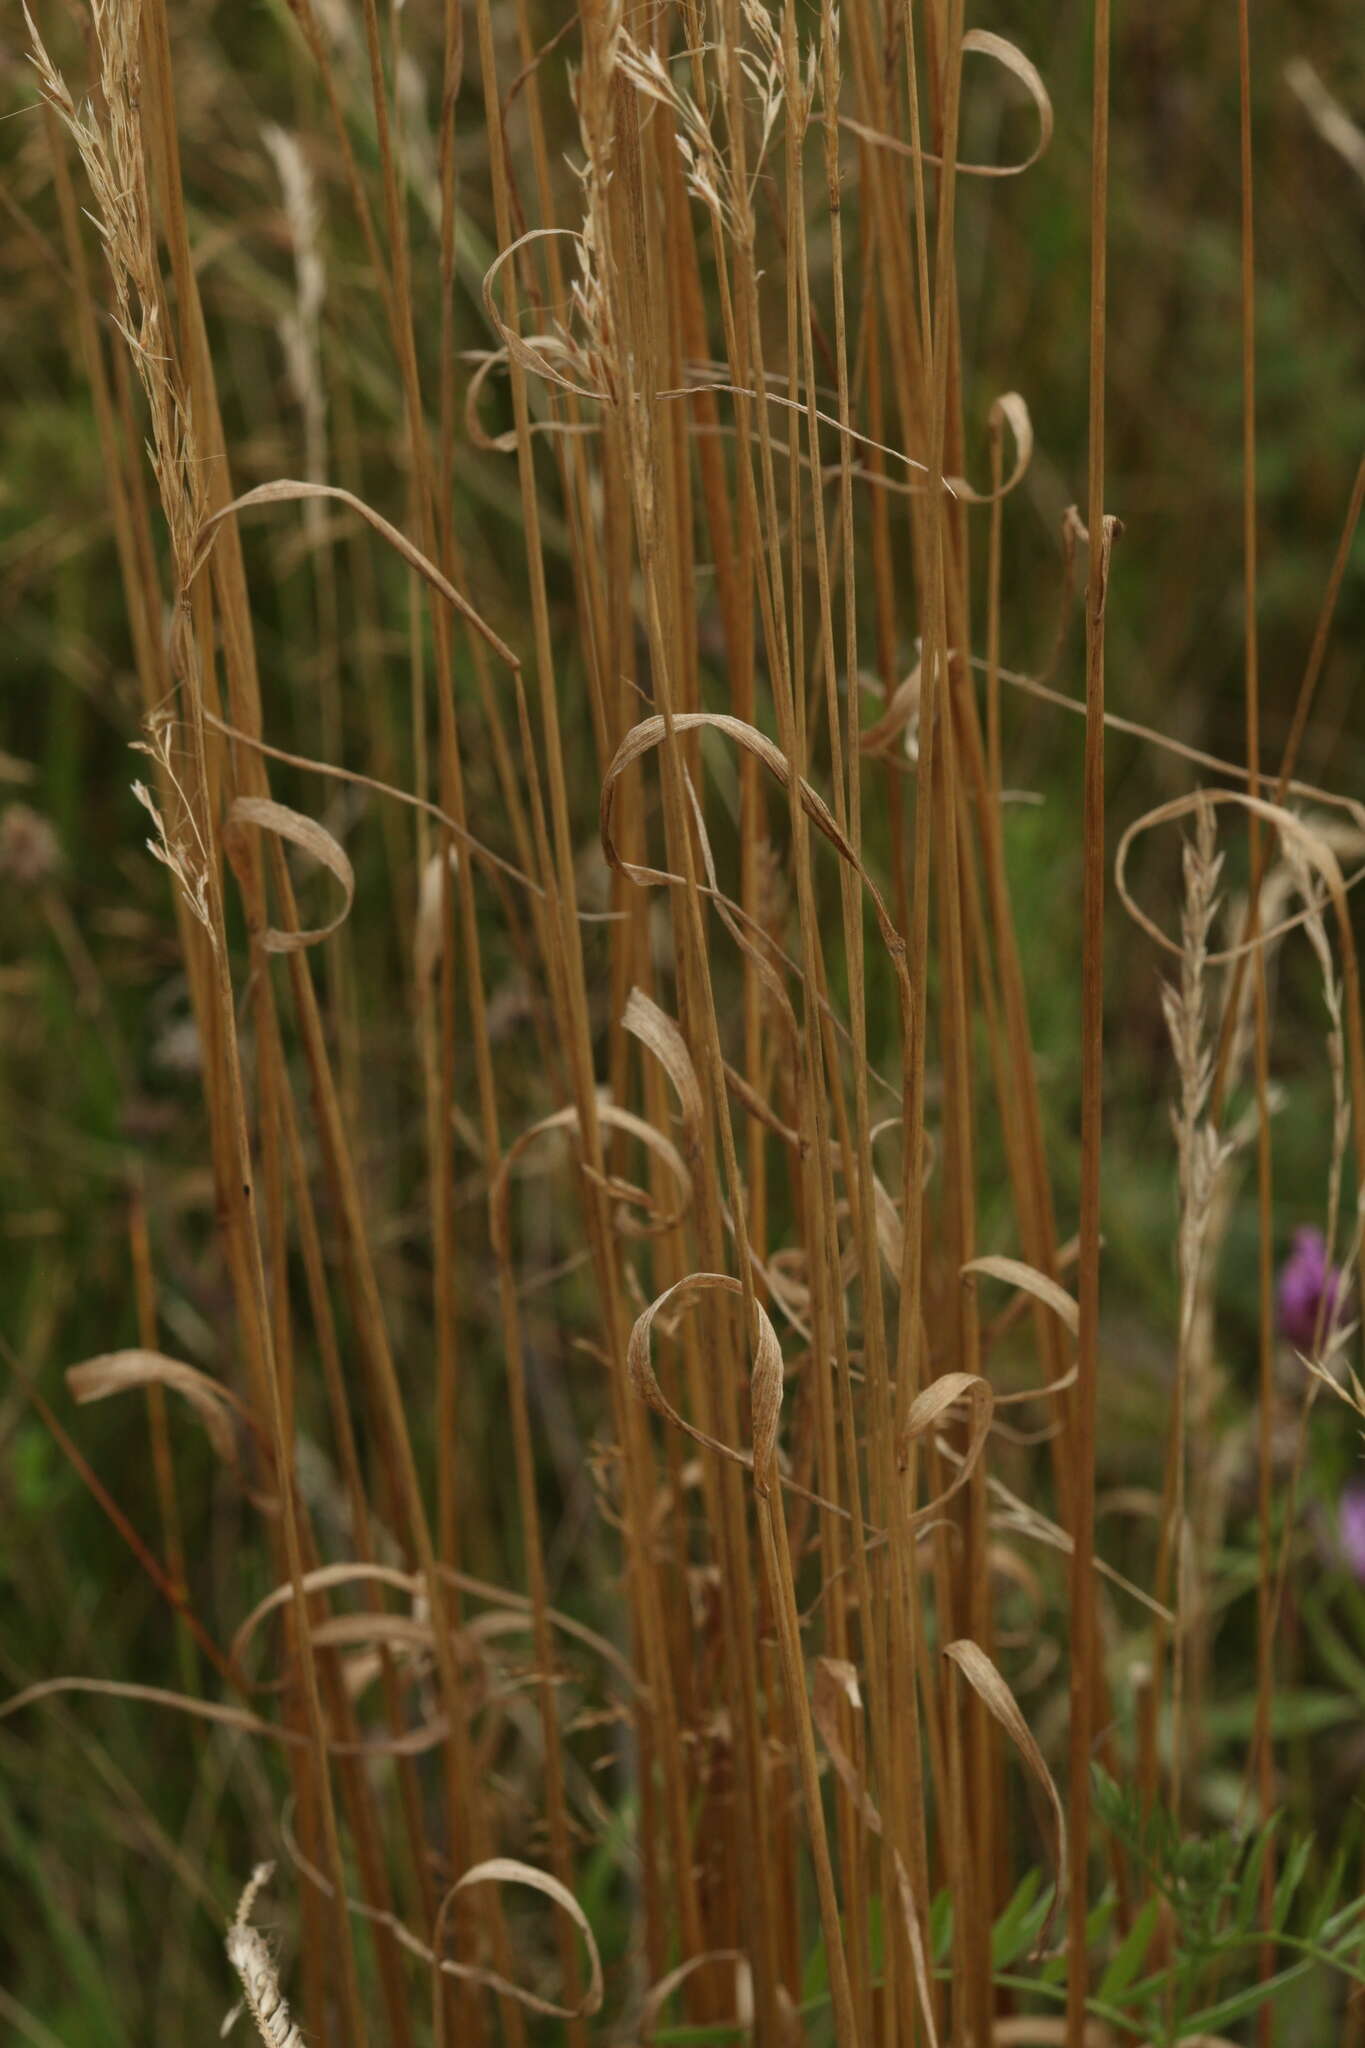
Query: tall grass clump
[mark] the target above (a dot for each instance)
(682, 1545)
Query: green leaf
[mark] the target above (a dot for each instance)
(1324, 1905)
(1128, 1959)
(1249, 1891)
(1305, 1712)
(1291, 1877)
(1098, 1918)
(1053, 1970)
(1336, 1653)
(1019, 1923)
(941, 1926)
(1215, 2017)
(1112, 1806)
(815, 1976)
(1342, 1922)
(1097, 1922)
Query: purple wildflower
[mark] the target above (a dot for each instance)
(1308, 1287)
(1351, 1526)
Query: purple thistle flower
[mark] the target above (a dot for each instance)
(1351, 1527)
(1308, 1286)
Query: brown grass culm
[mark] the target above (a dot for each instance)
(723, 960)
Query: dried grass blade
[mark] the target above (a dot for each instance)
(289, 489)
(979, 1672)
(765, 1384)
(986, 44)
(115, 1372)
(1016, 1273)
(500, 1870)
(267, 816)
(927, 1409)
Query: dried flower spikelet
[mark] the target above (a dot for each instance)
(764, 64)
(1202, 1150)
(30, 852)
(302, 217)
(255, 1967)
(114, 157)
(183, 852)
(1313, 893)
(299, 328)
(706, 170)
(900, 716)
(430, 933)
(1185, 1007)
(912, 688)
